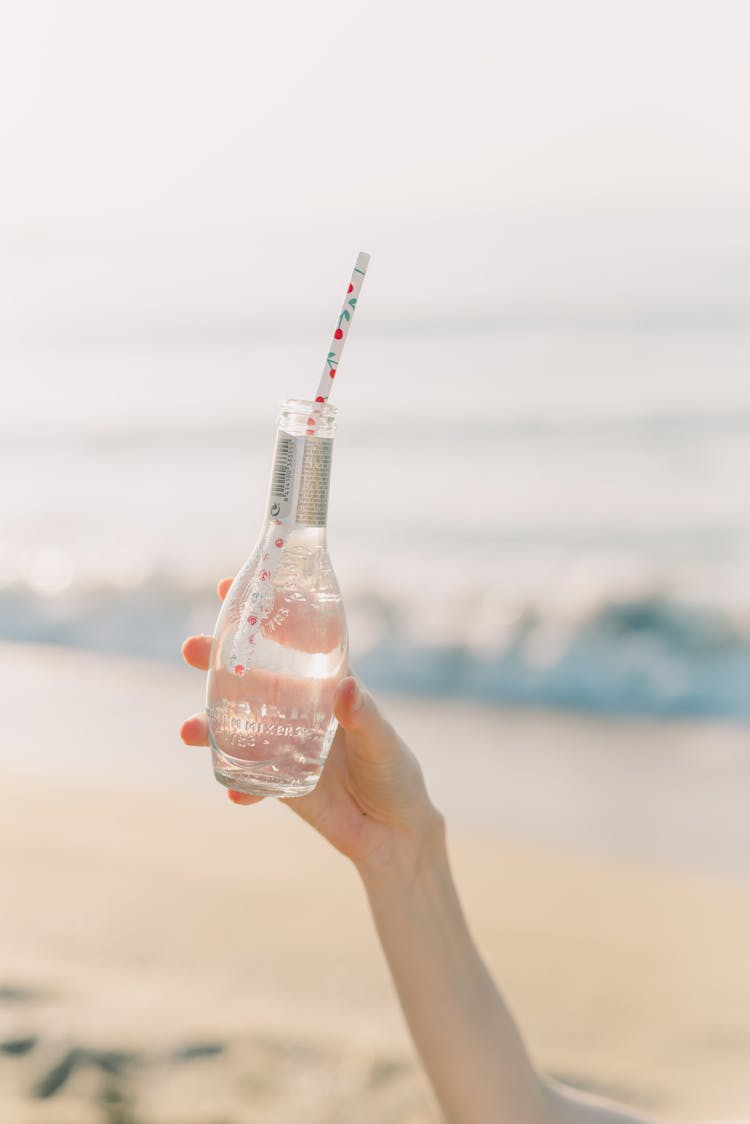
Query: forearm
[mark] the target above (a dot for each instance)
(468, 1042)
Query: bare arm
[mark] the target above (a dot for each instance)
(468, 1042)
(470, 1046)
(371, 803)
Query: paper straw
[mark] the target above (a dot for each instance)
(343, 325)
(258, 605)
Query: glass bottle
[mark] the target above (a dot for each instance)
(280, 644)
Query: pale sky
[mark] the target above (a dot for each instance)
(152, 111)
(298, 124)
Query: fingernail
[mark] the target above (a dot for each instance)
(357, 698)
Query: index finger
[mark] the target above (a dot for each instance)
(197, 649)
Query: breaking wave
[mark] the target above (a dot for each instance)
(644, 655)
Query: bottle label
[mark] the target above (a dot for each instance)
(300, 479)
(312, 505)
(283, 477)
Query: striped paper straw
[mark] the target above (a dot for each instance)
(258, 605)
(343, 325)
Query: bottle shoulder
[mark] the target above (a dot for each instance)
(302, 567)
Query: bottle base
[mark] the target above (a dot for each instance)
(288, 774)
(267, 761)
(252, 785)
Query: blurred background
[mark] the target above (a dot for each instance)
(539, 504)
(545, 409)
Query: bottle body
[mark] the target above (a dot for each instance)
(280, 644)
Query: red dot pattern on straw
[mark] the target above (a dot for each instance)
(322, 397)
(341, 329)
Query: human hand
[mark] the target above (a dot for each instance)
(371, 802)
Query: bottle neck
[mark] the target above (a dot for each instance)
(295, 537)
(300, 480)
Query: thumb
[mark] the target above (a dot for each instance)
(367, 732)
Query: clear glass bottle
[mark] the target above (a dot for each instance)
(280, 644)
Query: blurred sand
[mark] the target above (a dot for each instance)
(167, 958)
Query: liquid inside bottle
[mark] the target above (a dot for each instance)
(280, 645)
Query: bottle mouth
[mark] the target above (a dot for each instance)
(295, 415)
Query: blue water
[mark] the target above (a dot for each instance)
(535, 516)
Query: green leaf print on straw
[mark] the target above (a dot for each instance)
(342, 328)
(260, 600)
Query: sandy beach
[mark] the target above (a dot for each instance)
(167, 958)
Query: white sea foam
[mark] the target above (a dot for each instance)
(537, 515)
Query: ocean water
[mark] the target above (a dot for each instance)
(541, 513)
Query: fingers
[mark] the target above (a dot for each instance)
(347, 700)
(353, 706)
(197, 651)
(368, 732)
(194, 730)
(242, 797)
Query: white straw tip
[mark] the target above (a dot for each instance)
(363, 260)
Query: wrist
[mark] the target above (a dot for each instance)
(404, 855)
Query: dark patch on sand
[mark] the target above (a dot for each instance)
(54, 1079)
(13, 993)
(384, 1070)
(17, 1047)
(198, 1050)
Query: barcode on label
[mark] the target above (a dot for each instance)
(283, 469)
